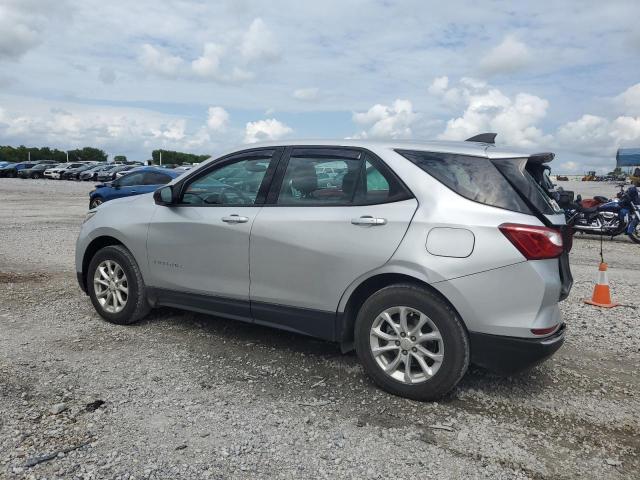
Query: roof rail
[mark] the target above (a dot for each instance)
(483, 138)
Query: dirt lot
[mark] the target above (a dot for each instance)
(191, 396)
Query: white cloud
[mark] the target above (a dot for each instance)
(509, 56)
(306, 93)
(259, 43)
(217, 119)
(23, 23)
(219, 61)
(137, 131)
(384, 121)
(629, 100)
(597, 136)
(208, 64)
(157, 60)
(269, 129)
(439, 85)
(568, 167)
(487, 109)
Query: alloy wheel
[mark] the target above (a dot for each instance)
(406, 344)
(111, 286)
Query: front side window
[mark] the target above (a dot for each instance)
(318, 179)
(234, 183)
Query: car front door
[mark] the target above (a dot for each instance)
(198, 250)
(313, 239)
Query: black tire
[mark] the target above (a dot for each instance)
(137, 305)
(95, 202)
(635, 236)
(454, 339)
(35, 176)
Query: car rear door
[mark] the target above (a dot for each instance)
(312, 240)
(198, 250)
(127, 186)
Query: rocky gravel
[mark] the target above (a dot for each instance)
(183, 395)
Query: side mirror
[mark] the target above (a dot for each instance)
(164, 196)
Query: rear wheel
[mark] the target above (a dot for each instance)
(635, 235)
(411, 343)
(35, 175)
(115, 286)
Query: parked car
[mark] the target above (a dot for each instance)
(56, 172)
(92, 173)
(142, 180)
(73, 173)
(428, 256)
(11, 169)
(108, 174)
(37, 171)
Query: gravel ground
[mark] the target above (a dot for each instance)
(183, 395)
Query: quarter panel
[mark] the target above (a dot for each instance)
(507, 301)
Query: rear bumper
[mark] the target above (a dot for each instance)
(509, 355)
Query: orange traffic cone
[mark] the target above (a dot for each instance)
(601, 294)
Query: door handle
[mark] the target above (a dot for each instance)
(368, 221)
(235, 219)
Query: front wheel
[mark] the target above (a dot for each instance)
(411, 343)
(95, 203)
(115, 286)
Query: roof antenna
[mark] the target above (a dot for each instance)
(483, 138)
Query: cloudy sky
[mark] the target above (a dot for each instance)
(203, 76)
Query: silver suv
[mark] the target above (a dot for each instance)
(422, 257)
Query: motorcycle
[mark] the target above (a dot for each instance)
(610, 217)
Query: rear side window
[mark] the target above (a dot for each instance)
(475, 178)
(514, 169)
(155, 178)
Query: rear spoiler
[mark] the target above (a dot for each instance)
(541, 158)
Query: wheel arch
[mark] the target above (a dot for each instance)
(346, 318)
(93, 247)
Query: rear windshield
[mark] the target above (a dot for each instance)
(475, 178)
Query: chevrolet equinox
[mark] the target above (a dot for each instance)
(423, 257)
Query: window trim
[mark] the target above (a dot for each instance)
(234, 157)
(363, 155)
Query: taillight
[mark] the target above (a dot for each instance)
(535, 243)
(544, 331)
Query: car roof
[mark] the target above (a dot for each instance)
(153, 168)
(441, 146)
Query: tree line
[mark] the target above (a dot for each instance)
(171, 156)
(21, 154)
